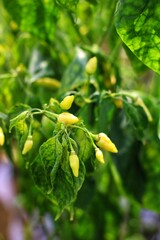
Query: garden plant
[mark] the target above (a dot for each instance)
(80, 114)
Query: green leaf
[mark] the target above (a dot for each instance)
(37, 172)
(52, 174)
(14, 121)
(105, 114)
(68, 4)
(65, 161)
(17, 109)
(18, 113)
(86, 150)
(128, 158)
(136, 118)
(75, 75)
(64, 192)
(51, 153)
(137, 23)
(151, 166)
(36, 17)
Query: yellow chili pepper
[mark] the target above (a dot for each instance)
(99, 155)
(27, 145)
(105, 143)
(74, 163)
(91, 65)
(48, 83)
(66, 103)
(2, 137)
(67, 118)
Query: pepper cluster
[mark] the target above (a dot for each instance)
(66, 123)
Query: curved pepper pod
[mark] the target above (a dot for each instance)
(74, 163)
(105, 143)
(66, 103)
(67, 118)
(99, 155)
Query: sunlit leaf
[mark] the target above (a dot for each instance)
(137, 23)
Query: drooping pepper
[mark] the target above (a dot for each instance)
(27, 145)
(74, 163)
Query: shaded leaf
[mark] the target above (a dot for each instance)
(128, 158)
(63, 191)
(137, 118)
(105, 113)
(51, 153)
(37, 172)
(86, 151)
(150, 163)
(75, 75)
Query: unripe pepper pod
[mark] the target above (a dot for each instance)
(105, 143)
(67, 118)
(27, 145)
(91, 65)
(2, 137)
(74, 163)
(99, 155)
(66, 103)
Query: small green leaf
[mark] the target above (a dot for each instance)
(75, 74)
(14, 121)
(136, 117)
(51, 153)
(86, 150)
(21, 132)
(137, 23)
(18, 113)
(85, 146)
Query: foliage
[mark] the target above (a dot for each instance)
(137, 24)
(45, 46)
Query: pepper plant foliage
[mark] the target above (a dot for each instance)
(137, 25)
(53, 106)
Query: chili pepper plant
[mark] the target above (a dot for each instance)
(79, 112)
